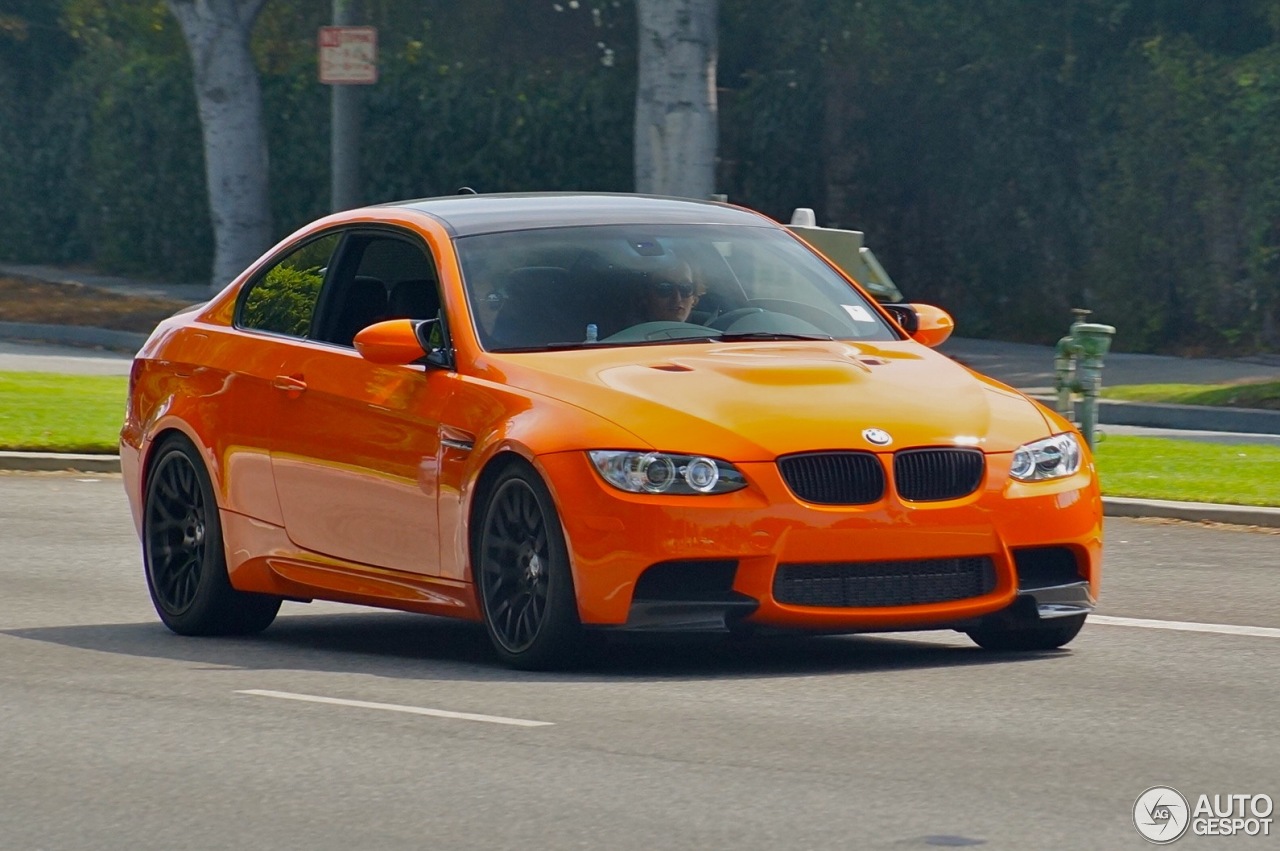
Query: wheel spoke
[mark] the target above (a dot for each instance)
(531, 615)
(169, 517)
(501, 551)
(166, 527)
(528, 619)
(530, 514)
(509, 515)
(501, 608)
(191, 579)
(186, 481)
(508, 619)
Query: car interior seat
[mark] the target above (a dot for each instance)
(413, 299)
(541, 307)
(364, 303)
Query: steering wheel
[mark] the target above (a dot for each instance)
(724, 320)
(661, 330)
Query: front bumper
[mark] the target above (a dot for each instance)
(615, 538)
(1061, 601)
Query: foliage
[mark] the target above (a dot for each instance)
(284, 300)
(1189, 203)
(1008, 159)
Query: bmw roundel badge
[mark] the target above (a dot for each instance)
(877, 436)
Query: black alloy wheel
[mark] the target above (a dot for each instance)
(522, 568)
(185, 562)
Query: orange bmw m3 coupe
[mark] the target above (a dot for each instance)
(562, 414)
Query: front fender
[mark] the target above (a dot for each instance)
(501, 423)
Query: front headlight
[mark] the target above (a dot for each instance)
(663, 472)
(1051, 458)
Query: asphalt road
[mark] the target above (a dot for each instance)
(115, 734)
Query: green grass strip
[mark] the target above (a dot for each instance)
(49, 412)
(1257, 394)
(82, 413)
(1188, 470)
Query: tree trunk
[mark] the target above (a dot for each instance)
(235, 143)
(676, 98)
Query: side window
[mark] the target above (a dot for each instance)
(283, 300)
(377, 277)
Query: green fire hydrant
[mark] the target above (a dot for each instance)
(1077, 363)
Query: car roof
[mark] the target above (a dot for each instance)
(468, 215)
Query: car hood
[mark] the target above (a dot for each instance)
(757, 401)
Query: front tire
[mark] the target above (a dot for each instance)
(522, 571)
(1043, 635)
(182, 549)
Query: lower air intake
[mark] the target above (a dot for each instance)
(877, 584)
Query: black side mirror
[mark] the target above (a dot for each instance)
(905, 315)
(433, 336)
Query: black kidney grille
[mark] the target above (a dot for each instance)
(926, 475)
(834, 478)
(876, 584)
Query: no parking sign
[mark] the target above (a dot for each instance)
(348, 55)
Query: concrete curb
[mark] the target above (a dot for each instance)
(1192, 417)
(1242, 515)
(59, 462)
(1113, 506)
(1181, 417)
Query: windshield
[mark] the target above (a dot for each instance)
(556, 288)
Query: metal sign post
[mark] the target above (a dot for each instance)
(348, 57)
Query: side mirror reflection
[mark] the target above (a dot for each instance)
(405, 341)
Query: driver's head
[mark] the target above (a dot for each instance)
(669, 294)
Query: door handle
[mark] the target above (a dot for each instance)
(291, 384)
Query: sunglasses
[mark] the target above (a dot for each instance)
(666, 289)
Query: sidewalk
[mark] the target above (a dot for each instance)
(1027, 367)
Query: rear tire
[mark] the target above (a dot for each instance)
(1044, 635)
(522, 574)
(183, 552)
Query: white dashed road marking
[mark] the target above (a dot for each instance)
(1185, 626)
(395, 707)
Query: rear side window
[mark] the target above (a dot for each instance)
(283, 299)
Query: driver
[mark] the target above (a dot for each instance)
(669, 294)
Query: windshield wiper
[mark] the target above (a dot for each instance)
(770, 335)
(545, 347)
